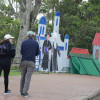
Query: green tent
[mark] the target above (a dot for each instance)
(84, 64)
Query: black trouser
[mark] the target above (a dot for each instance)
(6, 70)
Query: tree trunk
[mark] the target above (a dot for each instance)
(24, 27)
(35, 12)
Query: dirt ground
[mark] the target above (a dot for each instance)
(53, 87)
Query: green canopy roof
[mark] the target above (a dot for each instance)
(84, 64)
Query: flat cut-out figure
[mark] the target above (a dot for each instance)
(45, 51)
(55, 50)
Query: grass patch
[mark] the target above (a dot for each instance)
(12, 73)
(15, 68)
(15, 71)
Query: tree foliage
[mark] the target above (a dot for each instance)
(79, 19)
(8, 24)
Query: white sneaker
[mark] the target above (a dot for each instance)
(7, 92)
(25, 94)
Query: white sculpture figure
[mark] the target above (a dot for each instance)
(45, 53)
(40, 38)
(56, 23)
(55, 52)
(42, 26)
(66, 62)
(60, 47)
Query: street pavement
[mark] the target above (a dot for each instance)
(53, 87)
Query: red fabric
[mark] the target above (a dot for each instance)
(96, 40)
(68, 56)
(80, 51)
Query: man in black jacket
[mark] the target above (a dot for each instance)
(29, 49)
(7, 52)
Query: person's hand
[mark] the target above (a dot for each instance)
(40, 49)
(60, 52)
(42, 54)
(47, 50)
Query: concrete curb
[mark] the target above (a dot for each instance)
(95, 96)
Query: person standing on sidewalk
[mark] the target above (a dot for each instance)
(7, 52)
(29, 49)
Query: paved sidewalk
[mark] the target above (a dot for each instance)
(53, 87)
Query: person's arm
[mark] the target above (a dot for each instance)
(37, 50)
(21, 51)
(12, 51)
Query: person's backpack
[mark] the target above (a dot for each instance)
(4, 50)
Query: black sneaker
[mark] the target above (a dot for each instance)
(7, 92)
(26, 94)
(21, 93)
